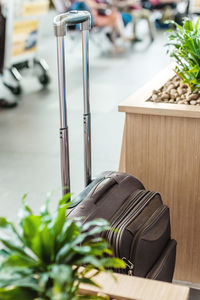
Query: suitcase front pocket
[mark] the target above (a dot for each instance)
(150, 241)
(164, 268)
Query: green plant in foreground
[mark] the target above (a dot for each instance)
(43, 259)
(184, 47)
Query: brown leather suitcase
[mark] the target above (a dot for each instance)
(141, 219)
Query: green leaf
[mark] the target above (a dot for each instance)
(69, 231)
(58, 220)
(65, 200)
(12, 246)
(188, 26)
(9, 227)
(61, 274)
(46, 244)
(113, 262)
(19, 260)
(25, 210)
(90, 259)
(25, 282)
(16, 293)
(61, 255)
(44, 211)
(97, 222)
(4, 253)
(88, 281)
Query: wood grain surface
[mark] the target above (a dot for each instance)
(135, 288)
(163, 151)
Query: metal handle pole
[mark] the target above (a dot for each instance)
(86, 112)
(64, 138)
(60, 22)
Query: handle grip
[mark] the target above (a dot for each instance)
(102, 188)
(70, 18)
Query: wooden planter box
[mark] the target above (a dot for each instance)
(161, 146)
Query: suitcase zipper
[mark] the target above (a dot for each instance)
(145, 197)
(129, 204)
(133, 214)
(129, 265)
(132, 200)
(137, 210)
(149, 222)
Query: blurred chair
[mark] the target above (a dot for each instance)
(138, 12)
(168, 10)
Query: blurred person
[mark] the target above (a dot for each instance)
(81, 5)
(105, 16)
(102, 16)
(134, 7)
(3, 103)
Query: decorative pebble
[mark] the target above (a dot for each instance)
(154, 97)
(179, 90)
(193, 102)
(165, 97)
(193, 97)
(174, 91)
(155, 92)
(184, 90)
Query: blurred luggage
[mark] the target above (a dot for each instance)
(20, 39)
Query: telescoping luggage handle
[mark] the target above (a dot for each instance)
(60, 28)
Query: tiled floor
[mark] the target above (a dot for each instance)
(29, 139)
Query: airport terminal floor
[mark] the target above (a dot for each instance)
(29, 133)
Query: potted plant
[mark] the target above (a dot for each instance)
(44, 257)
(161, 143)
(184, 47)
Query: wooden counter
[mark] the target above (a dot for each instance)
(135, 288)
(161, 146)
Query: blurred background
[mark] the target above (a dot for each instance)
(127, 48)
